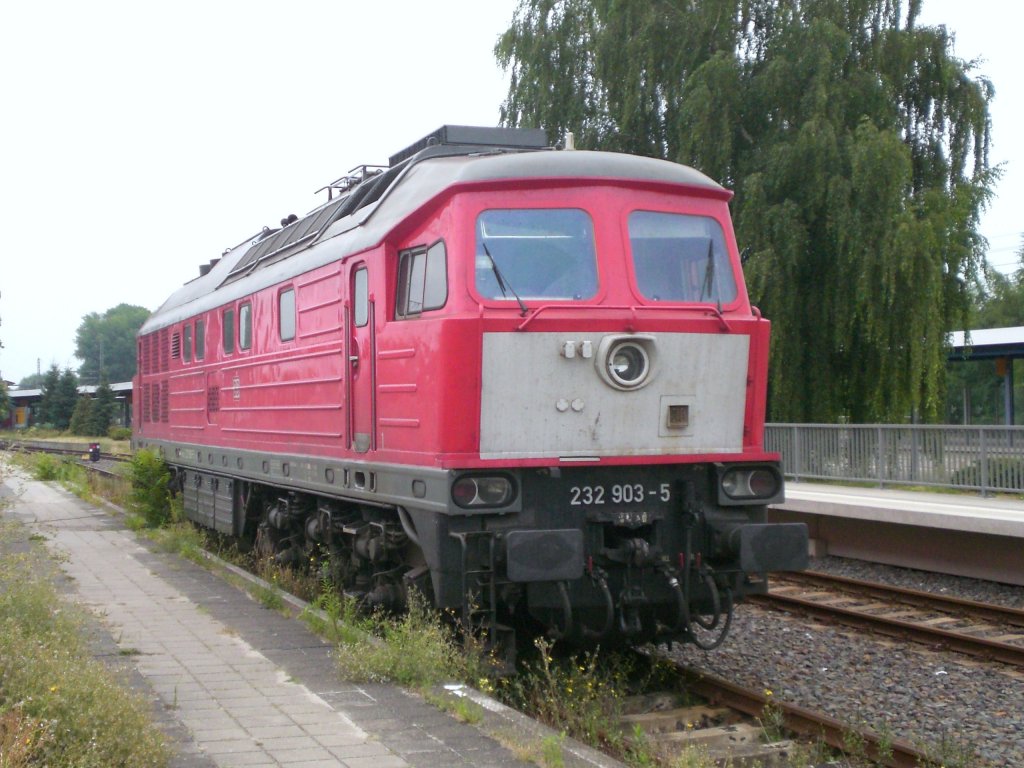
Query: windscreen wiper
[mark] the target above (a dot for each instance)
(503, 284)
(710, 284)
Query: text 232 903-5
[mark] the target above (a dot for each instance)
(620, 493)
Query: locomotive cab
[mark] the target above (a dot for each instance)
(622, 373)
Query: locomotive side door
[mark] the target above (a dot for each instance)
(361, 368)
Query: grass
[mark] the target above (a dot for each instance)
(60, 707)
(90, 486)
(462, 709)
(107, 445)
(581, 695)
(772, 720)
(418, 649)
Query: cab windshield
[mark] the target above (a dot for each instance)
(540, 253)
(678, 257)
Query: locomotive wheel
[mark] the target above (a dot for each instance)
(269, 541)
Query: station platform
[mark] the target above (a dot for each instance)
(954, 533)
(235, 684)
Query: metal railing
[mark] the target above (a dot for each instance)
(985, 459)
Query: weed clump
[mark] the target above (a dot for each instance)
(417, 649)
(46, 467)
(63, 469)
(150, 496)
(581, 695)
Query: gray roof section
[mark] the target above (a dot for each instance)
(418, 184)
(85, 389)
(987, 343)
(987, 337)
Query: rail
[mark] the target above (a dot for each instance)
(985, 459)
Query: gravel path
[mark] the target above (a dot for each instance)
(923, 697)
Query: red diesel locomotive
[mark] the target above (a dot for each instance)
(525, 381)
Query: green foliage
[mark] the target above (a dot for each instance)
(59, 706)
(5, 402)
(417, 650)
(179, 536)
(461, 708)
(269, 597)
(150, 496)
(46, 467)
(60, 395)
(49, 386)
(581, 696)
(107, 342)
(67, 471)
(102, 407)
(81, 418)
(999, 473)
(952, 751)
(32, 381)
(1001, 304)
(975, 387)
(551, 751)
(772, 720)
(119, 433)
(857, 144)
(66, 398)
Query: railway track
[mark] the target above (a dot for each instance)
(982, 630)
(57, 448)
(731, 726)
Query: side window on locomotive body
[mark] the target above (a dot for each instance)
(186, 353)
(535, 253)
(286, 314)
(422, 283)
(200, 339)
(245, 326)
(360, 297)
(228, 331)
(680, 257)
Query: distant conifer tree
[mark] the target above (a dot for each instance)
(81, 417)
(102, 407)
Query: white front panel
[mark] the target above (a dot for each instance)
(537, 402)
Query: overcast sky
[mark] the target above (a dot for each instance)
(142, 139)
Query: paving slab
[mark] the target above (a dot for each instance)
(233, 683)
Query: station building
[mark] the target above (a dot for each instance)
(24, 408)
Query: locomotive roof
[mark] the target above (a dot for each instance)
(364, 216)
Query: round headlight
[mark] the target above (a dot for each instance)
(763, 484)
(750, 483)
(628, 364)
(481, 491)
(733, 485)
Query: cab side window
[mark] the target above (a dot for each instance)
(422, 280)
(361, 301)
(245, 326)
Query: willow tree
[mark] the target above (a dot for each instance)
(856, 142)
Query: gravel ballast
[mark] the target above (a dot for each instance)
(924, 697)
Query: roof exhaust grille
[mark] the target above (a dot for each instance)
(470, 136)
